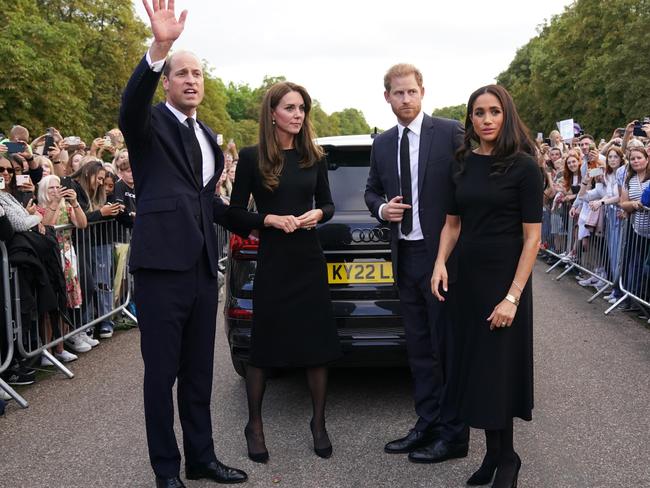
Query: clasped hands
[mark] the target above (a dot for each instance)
(502, 315)
(290, 223)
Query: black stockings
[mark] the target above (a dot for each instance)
(255, 386)
(509, 461)
(317, 381)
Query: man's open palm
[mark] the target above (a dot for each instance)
(164, 25)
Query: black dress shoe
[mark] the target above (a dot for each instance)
(413, 440)
(438, 451)
(216, 471)
(174, 482)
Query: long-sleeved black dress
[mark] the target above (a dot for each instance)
(293, 322)
(495, 367)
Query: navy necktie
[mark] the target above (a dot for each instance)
(405, 182)
(192, 142)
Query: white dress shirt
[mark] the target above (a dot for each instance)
(415, 129)
(206, 148)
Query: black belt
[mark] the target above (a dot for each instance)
(407, 243)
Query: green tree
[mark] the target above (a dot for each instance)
(589, 64)
(351, 121)
(454, 112)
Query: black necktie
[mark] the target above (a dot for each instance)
(405, 182)
(196, 160)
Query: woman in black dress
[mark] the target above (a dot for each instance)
(495, 220)
(293, 322)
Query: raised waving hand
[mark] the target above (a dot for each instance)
(165, 26)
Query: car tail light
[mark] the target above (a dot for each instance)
(240, 314)
(241, 248)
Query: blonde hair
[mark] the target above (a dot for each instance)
(44, 185)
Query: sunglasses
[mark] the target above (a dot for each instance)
(8, 170)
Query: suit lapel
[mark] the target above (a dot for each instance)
(392, 161)
(426, 137)
(177, 127)
(216, 150)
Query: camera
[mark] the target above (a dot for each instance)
(638, 129)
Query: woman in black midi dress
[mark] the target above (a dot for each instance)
(495, 221)
(293, 322)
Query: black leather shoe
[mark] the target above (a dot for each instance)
(413, 440)
(216, 471)
(438, 451)
(174, 482)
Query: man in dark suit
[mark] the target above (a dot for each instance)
(176, 161)
(409, 187)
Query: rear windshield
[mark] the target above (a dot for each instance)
(348, 172)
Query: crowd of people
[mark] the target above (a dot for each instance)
(49, 181)
(591, 192)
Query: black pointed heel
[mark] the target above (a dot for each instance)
(513, 483)
(322, 452)
(483, 475)
(257, 457)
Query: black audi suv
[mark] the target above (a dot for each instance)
(357, 249)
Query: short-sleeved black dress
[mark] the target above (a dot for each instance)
(293, 320)
(494, 368)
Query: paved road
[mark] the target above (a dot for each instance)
(591, 424)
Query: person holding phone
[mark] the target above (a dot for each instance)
(494, 220)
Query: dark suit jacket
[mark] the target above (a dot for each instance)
(439, 140)
(175, 213)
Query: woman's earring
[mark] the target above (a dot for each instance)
(273, 121)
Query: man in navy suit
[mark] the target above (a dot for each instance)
(409, 187)
(176, 162)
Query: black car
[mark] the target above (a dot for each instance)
(357, 249)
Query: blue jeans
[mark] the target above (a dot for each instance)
(101, 261)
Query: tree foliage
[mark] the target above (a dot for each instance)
(66, 62)
(454, 112)
(590, 63)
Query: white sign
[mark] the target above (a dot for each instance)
(566, 129)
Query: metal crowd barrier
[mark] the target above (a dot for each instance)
(614, 254)
(7, 349)
(95, 259)
(634, 281)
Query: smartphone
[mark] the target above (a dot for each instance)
(547, 141)
(49, 142)
(638, 131)
(595, 172)
(2, 183)
(220, 139)
(14, 147)
(108, 142)
(620, 131)
(66, 183)
(22, 180)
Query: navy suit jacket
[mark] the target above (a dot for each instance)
(175, 215)
(439, 140)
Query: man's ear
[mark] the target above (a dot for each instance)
(165, 83)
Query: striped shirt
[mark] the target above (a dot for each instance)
(640, 218)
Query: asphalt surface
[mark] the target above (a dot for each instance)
(590, 428)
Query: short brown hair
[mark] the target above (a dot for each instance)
(399, 70)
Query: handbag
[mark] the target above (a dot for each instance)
(595, 219)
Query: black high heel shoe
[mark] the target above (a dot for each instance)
(499, 483)
(258, 457)
(484, 474)
(322, 452)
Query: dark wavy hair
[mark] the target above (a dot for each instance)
(513, 140)
(271, 157)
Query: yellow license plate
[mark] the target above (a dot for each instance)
(350, 273)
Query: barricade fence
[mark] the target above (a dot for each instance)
(96, 287)
(608, 247)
